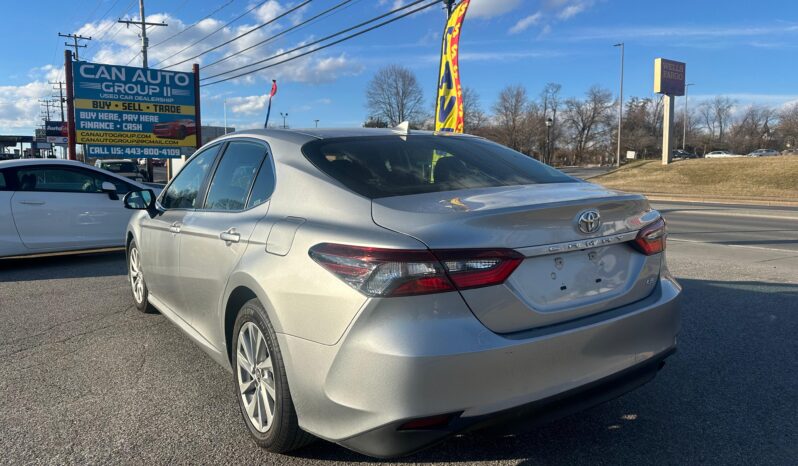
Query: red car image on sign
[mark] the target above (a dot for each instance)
(177, 129)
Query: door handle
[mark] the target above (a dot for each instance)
(230, 236)
(32, 202)
(175, 227)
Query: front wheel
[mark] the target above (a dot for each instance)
(135, 274)
(261, 383)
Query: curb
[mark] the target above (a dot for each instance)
(719, 200)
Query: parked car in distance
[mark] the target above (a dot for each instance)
(122, 167)
(789, 152)
(683, 154)
(763, 153)
(407, 285)
(60, 205)
(177, 129)
(716, 154)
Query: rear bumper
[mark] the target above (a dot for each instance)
(410, 358)
(390, 441)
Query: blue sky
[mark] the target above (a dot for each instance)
(745, 50)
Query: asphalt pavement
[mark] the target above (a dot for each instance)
(85, 378)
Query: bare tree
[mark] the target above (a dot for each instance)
(474, 118)
(510, 114)
(394, 95)
(590, 123)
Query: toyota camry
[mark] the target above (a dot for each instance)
(385, 289)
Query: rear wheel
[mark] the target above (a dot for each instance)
(261, 383)
(135, 274)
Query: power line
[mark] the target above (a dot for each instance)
(193, 24)
(345, 38)
(281, 33)
(309, 44)
(282, 15)
(257, 5)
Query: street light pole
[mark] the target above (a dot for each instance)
(684, 129)
(620, 108)
(225, 116)
(549, 123)
(317, 123)
(284, 115)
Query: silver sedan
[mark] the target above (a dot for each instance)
(384, 290)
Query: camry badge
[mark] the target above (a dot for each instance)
(589, 221)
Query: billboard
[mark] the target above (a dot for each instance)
(56, 132)
(669, 77)
(129, 112)
(449, 109)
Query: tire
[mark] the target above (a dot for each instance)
(282, 433)
(181, 133)
(135, 272)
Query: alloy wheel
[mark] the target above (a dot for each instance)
(255, 374)
(136, 276)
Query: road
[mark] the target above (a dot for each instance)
(85, 378)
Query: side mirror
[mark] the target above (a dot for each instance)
(110, 189)
(139, 200)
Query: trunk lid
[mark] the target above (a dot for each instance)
(566, 273)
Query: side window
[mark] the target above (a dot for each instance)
(59, 180)
(234, 175)
(183, 192)
(3, 184)
(264, 184)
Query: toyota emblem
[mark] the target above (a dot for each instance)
(589, 221)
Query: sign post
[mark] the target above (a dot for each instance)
(71, 152)
(669, 79)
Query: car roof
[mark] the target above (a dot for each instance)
(303, 135)
(24, 162)
(115, 160)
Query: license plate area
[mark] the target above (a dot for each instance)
(552, 282)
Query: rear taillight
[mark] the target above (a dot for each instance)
(651, 239)
(396, 272)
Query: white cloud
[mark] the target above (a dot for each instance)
(486, 9)
(524, 23)
(19, 105)
(248, 105)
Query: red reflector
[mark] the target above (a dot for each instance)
(651, 239)
(431, 422)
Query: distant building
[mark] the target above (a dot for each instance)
(209, 133)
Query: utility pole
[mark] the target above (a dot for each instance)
(620, 109)
(142, 23)
(60, 95)
(684, 129)
(75, 38)
(47, 103)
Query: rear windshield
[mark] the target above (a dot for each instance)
(386, 166)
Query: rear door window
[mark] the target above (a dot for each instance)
(56, 179)
(3, 184)
(264, 184)
(233, 179)
(383, 166)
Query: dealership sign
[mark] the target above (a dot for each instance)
(669, 77)
(128, 112)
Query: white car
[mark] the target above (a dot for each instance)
(763, 153)
(51, 206)
(717, 154)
